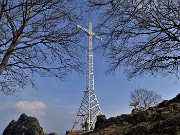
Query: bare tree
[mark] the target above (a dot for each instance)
(142, 35)
(37, 37)
(145, 98)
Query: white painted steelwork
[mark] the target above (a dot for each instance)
(89, 108)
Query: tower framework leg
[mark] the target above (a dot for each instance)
(89, 108)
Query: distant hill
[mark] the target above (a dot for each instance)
(163, 119)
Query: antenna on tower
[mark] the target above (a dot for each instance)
(89, 108)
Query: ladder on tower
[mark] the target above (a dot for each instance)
(89, 108)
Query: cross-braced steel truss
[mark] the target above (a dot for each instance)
(89, 108)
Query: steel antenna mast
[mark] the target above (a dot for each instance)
(89, 108)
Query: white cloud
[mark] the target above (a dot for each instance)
(33, 107)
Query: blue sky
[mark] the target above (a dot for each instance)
(56, 103)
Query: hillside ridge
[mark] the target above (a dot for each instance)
(164, 119)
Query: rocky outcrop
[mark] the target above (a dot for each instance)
(101, 120)
(163, 119)
(25, 125)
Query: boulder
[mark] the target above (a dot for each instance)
(25, 125)
(101, 119)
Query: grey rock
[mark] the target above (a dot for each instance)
(25, 125)
(125, 123)
(101, 119)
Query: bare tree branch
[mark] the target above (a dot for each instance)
(141, 35)
(145, 98)
(37, 38)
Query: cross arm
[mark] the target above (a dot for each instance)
(85, 30)
(89, 32)
(96, 36)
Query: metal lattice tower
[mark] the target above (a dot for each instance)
(89, 108)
